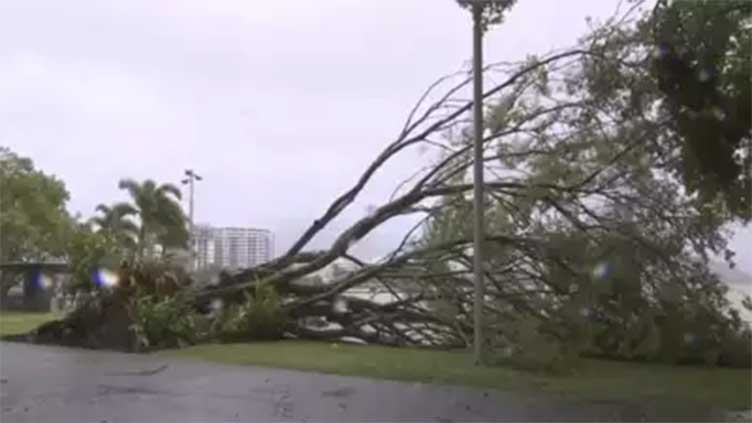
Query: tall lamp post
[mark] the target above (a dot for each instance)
(191, 177)
(477, 8)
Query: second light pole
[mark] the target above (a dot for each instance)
(477, 8)
(191, 177)
(478, 227)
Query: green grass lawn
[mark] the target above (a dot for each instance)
(597, 380)
(18, 322)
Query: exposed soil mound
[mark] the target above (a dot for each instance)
(100, 323)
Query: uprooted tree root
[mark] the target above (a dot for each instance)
(104, 323)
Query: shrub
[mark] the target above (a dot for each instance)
(260, 317)
(705, 336)
(736, 350)
(526, 346)
(166, 323)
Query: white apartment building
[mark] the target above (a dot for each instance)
(204, 244)
(232, 247)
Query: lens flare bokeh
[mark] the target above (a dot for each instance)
(105, 278)
(42, 281)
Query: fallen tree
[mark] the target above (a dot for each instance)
(593, 244)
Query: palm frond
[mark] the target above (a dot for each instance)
(170, 189)
(128, 226)
(103, 208)
(98, 221)
(128, 184)
(124, 209)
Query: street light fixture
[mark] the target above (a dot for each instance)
(191, 176)
(477, 8)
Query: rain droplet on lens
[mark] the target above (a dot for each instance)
(601, 270)
(660, 51)
(351, 243)
(718, 113)
(214, 280)
(703, 75)
(339, 306)
(217, 304)
(371, 209)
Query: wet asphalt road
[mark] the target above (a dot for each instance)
(55, 384)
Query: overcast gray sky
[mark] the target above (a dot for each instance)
(278, 104)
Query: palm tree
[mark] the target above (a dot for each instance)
(114, 222)
(162, 217)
